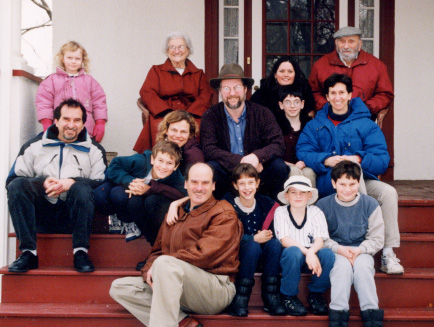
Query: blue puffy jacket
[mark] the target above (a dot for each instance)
(356, 135)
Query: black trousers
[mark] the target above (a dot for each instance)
(31, 212)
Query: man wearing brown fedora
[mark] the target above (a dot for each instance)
(239, 131)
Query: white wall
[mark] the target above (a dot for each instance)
(414, 89)
(123, 40)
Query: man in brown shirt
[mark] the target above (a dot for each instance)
(192, 264)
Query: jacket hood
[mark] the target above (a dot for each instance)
(359, 110)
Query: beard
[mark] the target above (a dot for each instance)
(70, 136)
(352, 55)
(236, 105)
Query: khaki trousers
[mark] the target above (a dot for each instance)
(178, 287)
(387, 197)
(306, 172)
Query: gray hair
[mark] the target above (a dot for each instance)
(178, 35)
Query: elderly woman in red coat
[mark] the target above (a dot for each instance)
(175, 85)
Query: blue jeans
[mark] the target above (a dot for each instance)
(273, 176)
(293, 263)
(253, 253)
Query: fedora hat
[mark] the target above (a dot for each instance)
(301, 183)
(231, 71)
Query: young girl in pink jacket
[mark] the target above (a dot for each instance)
(72, 81)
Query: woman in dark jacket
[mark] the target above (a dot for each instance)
(285, 71)
(181, 128)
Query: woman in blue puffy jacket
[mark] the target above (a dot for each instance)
(343, 130)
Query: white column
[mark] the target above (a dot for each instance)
(6, 19)
(18, 61)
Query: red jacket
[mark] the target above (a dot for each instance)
(369, 75)
(207, 237)
(165, 90)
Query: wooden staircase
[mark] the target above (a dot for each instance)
(56, 295)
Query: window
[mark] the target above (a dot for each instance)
(231, 32)
(301, 28)
(367, 18)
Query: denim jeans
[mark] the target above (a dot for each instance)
(31, 212)
(253, 253)
(293, 263)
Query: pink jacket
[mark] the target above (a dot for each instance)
(84, 88)
(371, 82)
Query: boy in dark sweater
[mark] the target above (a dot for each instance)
(356, 232)
(141, 187)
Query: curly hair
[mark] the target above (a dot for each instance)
(178, 35)
(174, 117)
(72, 46)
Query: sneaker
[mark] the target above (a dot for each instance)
(317, 304)
(293, 305)
(390, 264)
(132, 232)
(82, 262)
(115, 225)
(26, 261)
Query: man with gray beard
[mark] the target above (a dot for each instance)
(369, 74)
(238, 131)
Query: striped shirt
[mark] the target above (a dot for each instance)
(313, 226)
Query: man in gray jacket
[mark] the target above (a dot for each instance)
(50, 186)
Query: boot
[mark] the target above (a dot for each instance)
(372, 318)
(271, 296)
(338, 318)
(240, 303)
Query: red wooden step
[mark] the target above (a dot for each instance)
(416, 206)
(65, 285)
(106, 250)
(416, 217)
(112, 251)
(416, 251)
(61, 285)
(87, 315)
(417, 285)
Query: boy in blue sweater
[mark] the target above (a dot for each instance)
(141, 188)
(356, 232)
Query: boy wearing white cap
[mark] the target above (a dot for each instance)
(302, 229)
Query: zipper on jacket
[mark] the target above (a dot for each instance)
(79, 166)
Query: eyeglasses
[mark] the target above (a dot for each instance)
(289, 103)
(181, 48)
(236, 88)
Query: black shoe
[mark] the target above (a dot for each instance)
(82, 262)
(293, 306)
(372, 317)
(27, 260)
(338, 318)
(271, 296)
(240, 303)
(140, 265)
(317, 304)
